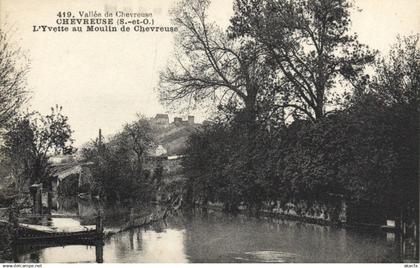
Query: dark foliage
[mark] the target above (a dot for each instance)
(31, 139)
(118, 165)
(368, 155)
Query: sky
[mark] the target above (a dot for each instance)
(103, 79)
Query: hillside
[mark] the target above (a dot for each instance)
(173, 137)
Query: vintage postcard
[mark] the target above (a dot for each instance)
(209, 131)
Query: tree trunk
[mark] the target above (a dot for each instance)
(250, 117)
(319, 112)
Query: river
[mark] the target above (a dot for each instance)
(219, 237)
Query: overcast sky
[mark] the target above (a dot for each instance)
(103, 79)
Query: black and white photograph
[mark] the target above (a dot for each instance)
(209, 131)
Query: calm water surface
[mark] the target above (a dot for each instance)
(218, 237)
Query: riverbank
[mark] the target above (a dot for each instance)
(136, 220)
(278, 215)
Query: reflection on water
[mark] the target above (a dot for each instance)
(67, 254)
(217, 237)
(69, 225)
(224, 238)
(266, 256)
(146, 246)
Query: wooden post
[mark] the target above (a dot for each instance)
(99, 246)
(49, 198)
(34, 203)
(132, 217)
(36, 191)
(416, 242)
(99, 252)
(40, 206)
(79, 182)
(401, 220)
(99, 223)
(15, 255)
(401, 244)
(33, 191)
(131, 235)
(14, 220)
(404, 228)
(403, 249)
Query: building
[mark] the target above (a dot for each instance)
(179, 122)
(161, 120)
(160, 151)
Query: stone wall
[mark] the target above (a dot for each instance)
(332, 211)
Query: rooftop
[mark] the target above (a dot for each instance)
(163, 116)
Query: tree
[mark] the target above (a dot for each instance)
(368, 152)
(30, 141)
(397, 79)
(308, 43)
(392, 101)
(221, 167)
(140, 138)
(208, 65)
(12, 79)
(118, 164)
